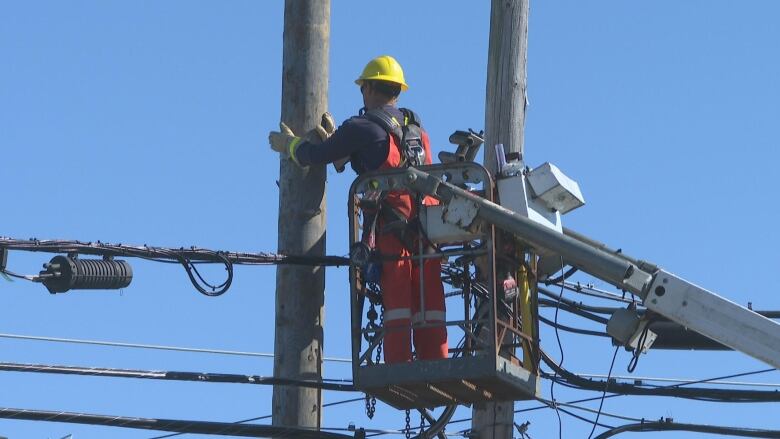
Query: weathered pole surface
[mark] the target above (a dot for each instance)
(505, 106)
(300, 290)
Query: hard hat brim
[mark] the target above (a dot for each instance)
(384, 78)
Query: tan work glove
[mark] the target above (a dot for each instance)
(326, 129)
(285, 141)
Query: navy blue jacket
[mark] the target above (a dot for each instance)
(363, 140)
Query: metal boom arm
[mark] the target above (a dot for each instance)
(665, 293)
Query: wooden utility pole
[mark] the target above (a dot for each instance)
(504, 123)
(300, 290)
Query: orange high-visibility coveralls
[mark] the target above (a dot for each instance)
(400, 282)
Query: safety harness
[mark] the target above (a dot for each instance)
(408, 136)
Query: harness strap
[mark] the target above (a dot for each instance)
(387, 121)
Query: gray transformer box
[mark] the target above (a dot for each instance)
(555, 189)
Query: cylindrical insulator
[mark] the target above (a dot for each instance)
(65, 273)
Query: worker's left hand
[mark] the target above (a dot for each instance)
(321, 132)
(282, 140)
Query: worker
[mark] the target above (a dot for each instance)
(383, 136)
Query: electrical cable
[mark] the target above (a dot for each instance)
(573, 330)
(562, 277)
(585, 409)
(18, 276)
(571, 403)
(640, 379)
(168, 255)
(574, 310)
(264, 417)
(554, 405)
(639, 348)
(325, 384)
(560, 347)
(579, 305)
(174, 425)
(436, 426)
(700, 393)
(590, 290)
(723, 377)
(604, 393)
(155, 347)
(673, 426)
(546, 404)
(218, 290)
(187, 258)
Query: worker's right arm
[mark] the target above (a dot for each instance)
(353, 135)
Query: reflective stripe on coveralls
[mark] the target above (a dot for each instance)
(400, 283)
(430, 316)
(398, 314)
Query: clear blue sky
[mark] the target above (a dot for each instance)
(146, 122)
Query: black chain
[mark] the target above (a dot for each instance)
(370, 406)
(381, 342)
(422, 423)
(372, 315)
(408, 429)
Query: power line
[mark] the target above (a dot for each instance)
(555, 406)
(667, 425)
(640, 379)
(266, 416)
(701, 393)
(560, 347)
(175, 425)
(325, 384)
(571, 329)
(616, 395)
(156, 347)
(591, 290)
(585, 409)
(165, 254)
(604, 393)
(186, 257)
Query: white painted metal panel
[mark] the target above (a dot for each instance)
(555, 189)
(515, 195)
(441, 232)
(715, 317)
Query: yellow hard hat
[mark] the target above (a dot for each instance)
(383, 68)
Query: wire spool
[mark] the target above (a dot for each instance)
(64, 273)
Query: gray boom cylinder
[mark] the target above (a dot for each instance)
(599, 263)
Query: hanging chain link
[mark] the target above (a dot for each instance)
(370, 406)
(408, 428)
(381, 342)
(422, 423)
(372, 316)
